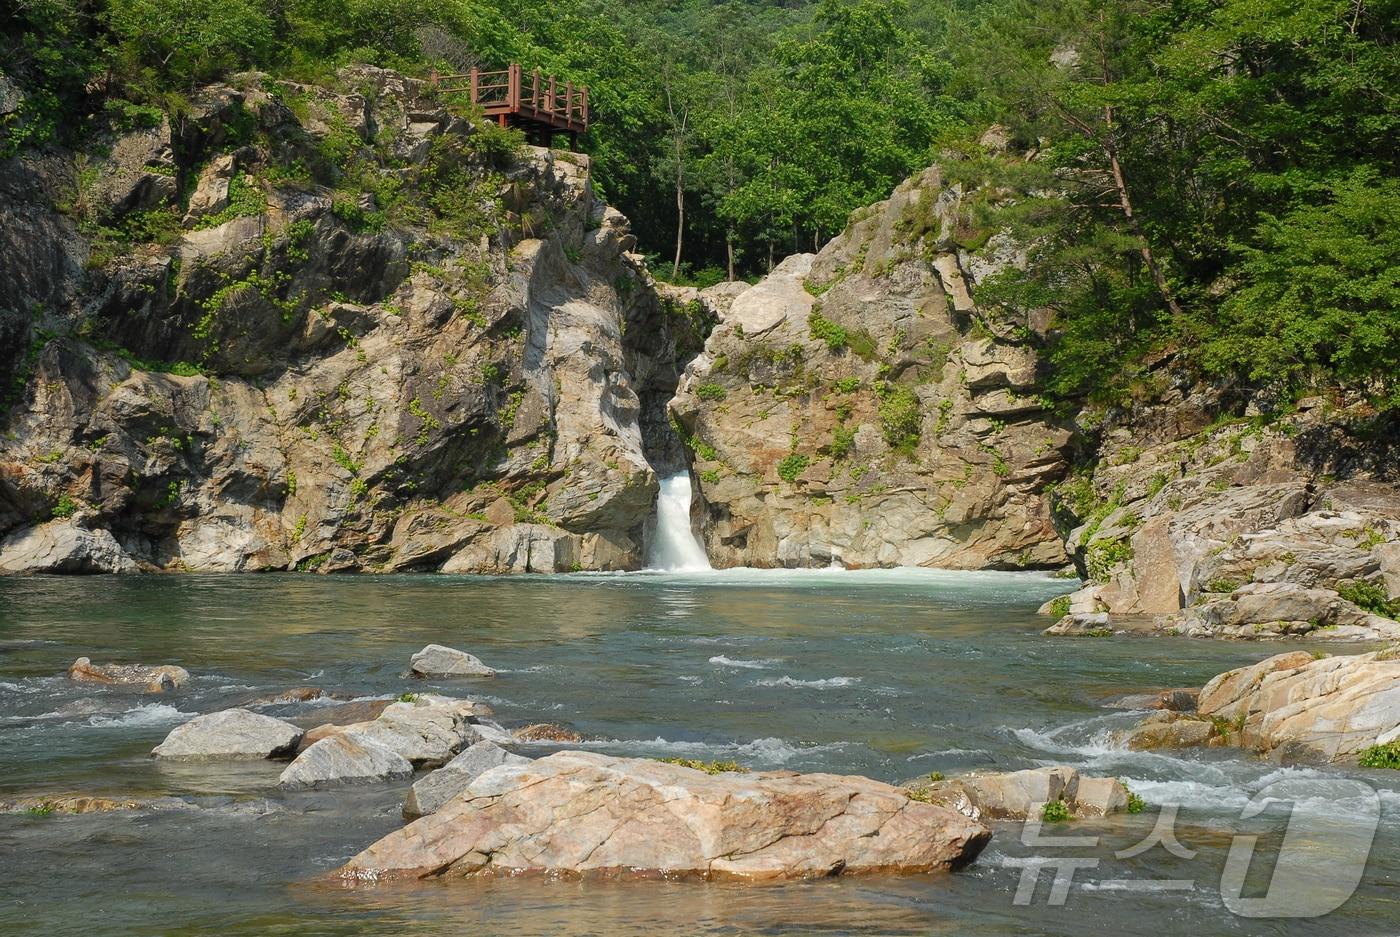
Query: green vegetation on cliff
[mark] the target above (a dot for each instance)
(1213, 179)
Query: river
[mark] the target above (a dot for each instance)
(888, 674)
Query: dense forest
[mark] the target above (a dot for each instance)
(1216, 178)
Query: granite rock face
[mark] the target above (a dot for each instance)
(857, 406)
(584, 813)
(293, 374)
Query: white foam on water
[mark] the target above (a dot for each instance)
(808, 684)
(761, 751)
(760, 664)
(674, 547)
(147, 714)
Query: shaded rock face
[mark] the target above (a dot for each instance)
(1294, 708)
(364, 340)
(591, 814)
(856, 406)
(1019, 795)
(229, 735)
(1212, 526)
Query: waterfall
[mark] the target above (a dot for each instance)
(674, 547)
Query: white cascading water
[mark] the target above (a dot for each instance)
(674, 547)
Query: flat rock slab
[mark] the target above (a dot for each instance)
(585, 813)
(152, 679)
(344, 759)
(1018, 795)
(435, 660)
(230, 734)
(438, 787)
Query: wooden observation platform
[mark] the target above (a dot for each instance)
(538, 105)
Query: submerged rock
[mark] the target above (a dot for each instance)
(230, 734)
(1018, 795)
(588, 813)
(153, 679)
(347, 758)
(546, 732)
(438, 787)
(435, 660)
(44, 805)
(1167, 730)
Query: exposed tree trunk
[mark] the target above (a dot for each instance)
(680, 225)
(729, 251)
(1125, 202)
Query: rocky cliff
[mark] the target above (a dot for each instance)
(856, 406)
(1219, 512)
(336, 328)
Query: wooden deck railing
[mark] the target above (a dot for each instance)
(510, 93)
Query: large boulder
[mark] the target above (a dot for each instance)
(1305, 709)
(63, 547)
(230, 734)
(342, 759)
(438, 787)
(435, 660)
(1017, 795)
(152, 679)
(1294, 708)
(589, 813)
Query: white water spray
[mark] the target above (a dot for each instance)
(674, 547)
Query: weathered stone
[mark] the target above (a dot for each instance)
(588, 813)
(62, 546)
(438, 787)
(345, 758)
(230, 734)
(211, 191)
(153, 679)
(435, 660)
(1327, 709)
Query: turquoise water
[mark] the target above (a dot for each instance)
(889, 674)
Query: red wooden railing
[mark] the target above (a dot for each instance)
(533, 97)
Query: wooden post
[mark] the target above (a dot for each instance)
(535, 91)
(569, 103)
(476, 85)
(551, 96)
(514, 86)
(584, 108)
